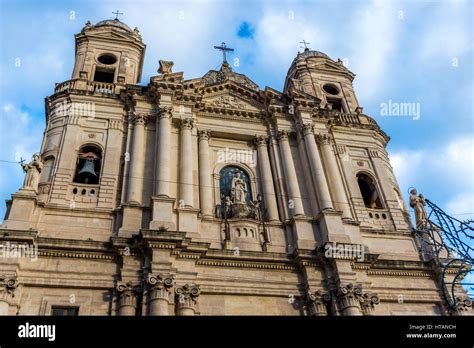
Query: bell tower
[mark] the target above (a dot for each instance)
(314, 73)
(109, 52)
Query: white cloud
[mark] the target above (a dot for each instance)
(448, 168)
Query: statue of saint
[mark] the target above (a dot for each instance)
(33, 171)
(417, 202)
(239, 189)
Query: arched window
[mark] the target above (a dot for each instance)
(89, 163)
(235, 183)
(369, 191)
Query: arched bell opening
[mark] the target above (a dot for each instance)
(88, 165)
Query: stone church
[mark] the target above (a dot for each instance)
(208, 196)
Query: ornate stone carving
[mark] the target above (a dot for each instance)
(261, 140)
(464, 305)
(417, 202)
(165, 111)
(138, 119)
(8, 284)
(349, 296)
(316, 302)
(283, 134)
(159, 285)
(187, 123)
(227, 101)
(186, 298)
(33, 172)
(166, 67)
(353, 301)
(323, 139)
(128, 293)
(204, 134)
(307, 128)
(368, 302)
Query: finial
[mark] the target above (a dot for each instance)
(117, 13)
(224, 49)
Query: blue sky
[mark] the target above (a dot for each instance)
(401, 51)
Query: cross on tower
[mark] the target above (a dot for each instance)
(117, 13)
(305, 44)
(224, 49)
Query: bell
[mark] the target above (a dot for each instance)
(87, 173)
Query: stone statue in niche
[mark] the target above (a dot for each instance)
(33, 171)
(417, 202)
(239, 190)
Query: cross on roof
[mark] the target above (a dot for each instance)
(224, 49)
(305, 43)
(117, 13)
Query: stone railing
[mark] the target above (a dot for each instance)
(88, 86)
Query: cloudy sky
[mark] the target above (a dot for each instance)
(401, 51)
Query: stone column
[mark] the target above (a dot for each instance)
(186, 164)
(186, 299)
(267, 178)
(158, 293)
(162, 186)
(137, 164)
(8, 285)
(324, 197)
(334, 175)
(349, 300)
(290, 173)
(317, 303)
(205, 183)
(128, 293)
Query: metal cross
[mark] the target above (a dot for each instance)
(117, 13)
(21, 161)
(305, 44)
(224, 49)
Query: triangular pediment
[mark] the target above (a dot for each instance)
(109, 34)
(328, 66)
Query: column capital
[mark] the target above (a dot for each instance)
(317, 301)
(283, 134)
(261, 140)
(349, 296)
(165, 112)
(204, 134)
(128, 287)
(323, 139)
(8, 284)
(160, 281)
(187, 123)
(138, 119)
(368, 302)
(187, 294)
(307, 128)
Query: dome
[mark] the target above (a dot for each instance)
(308, 54)
(113, 23)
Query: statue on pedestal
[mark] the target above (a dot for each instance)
(239, 190)
(417, 202)
(33, 171)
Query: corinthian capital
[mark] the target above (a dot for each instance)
(137, 119)
(261, 140)
(187, 123)
(368, 302)
(307, 128)
(323, 139)
(316, 302)
(283, 134)
(204, 134)
(165, 111)
(128, 288)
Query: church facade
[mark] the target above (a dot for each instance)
(209, 196)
